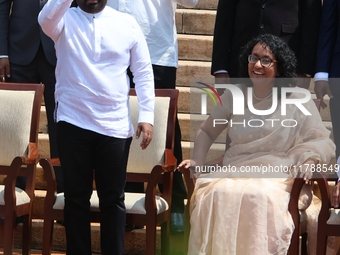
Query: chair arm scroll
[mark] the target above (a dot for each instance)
(169, 162)
(33, 155)
(322, 181)
(51, 182)
(150, 193)
(54, 161)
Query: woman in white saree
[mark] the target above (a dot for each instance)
(239, 212)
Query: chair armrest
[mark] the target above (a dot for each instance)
(51, 182)
(322, 182)
(294, 197)
(150, 193)
(190, 185)
(170, 162)
(189, 181)
(54, 161)
(10, 181)
(164, 171)
(189, 177)
(32, 156)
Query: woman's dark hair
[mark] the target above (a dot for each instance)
(286, 60)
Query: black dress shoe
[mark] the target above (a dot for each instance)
(176, 224)
(19, 220)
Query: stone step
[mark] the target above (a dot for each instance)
(199, 22)
(189, 72)
(195, 47)
(43, 120)
(203, 4)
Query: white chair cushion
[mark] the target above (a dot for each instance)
(60, 202)
(334, 218)
(134, 203)
(15, 124)
(21, 196)
(142, 161)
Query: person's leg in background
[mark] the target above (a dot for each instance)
(165, 78)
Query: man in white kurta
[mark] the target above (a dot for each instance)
(95, 45)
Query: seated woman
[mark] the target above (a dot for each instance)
(239, 211)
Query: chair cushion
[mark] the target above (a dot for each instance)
(142, 161)
(15, 124)
(60, 202)
(334, 217)
(21, 196)
(134, 203)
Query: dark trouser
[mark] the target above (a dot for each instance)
(165, 78)
(41, 71)
(82, 153)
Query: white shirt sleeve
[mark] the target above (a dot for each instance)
(321, 76)
(51, 17)
(220, 71)
(141, 68)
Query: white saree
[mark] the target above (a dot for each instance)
(240, 213)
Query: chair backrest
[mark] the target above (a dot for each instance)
(19, 118)
(143, 161)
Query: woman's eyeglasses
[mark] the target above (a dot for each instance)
(265, 62)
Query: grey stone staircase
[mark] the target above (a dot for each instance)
(195, 30)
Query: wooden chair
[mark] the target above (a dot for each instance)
(154, 165)
(299, 216)
(19, 120)
(329, 218)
